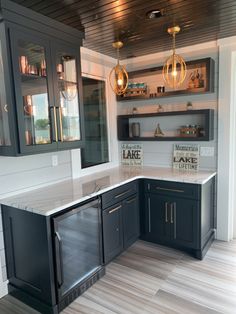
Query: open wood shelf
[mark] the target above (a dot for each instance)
(206, 65)
(123, 124)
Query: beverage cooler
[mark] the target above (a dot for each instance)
(77, 250)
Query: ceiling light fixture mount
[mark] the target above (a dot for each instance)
(174, 70)
(118, 76)
(154, 14)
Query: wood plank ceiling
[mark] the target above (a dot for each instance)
(105, 21)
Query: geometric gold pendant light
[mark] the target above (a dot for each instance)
(118, 76)
(174, 69)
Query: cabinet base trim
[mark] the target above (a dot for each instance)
(80, 288)
(201, 253)
(31, 301)
(57, 308)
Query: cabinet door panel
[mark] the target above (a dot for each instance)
(67, 83)
(34, 92)
(130, 215)
(5, 139)
(157, 217)
(29, 258)
(185, 222)
(112, 232)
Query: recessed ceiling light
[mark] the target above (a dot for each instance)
(154, 14)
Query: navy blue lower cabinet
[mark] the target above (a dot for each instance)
(121, 223)
(112, 232)
(173, 221)
(51, 260)
(179, 215)
(130, 217)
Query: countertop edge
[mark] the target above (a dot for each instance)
(103, 190)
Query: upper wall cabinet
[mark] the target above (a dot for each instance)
(149, 83)
(40, 83)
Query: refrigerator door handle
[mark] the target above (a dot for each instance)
(59, 266)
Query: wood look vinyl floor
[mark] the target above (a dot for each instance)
(152, 279)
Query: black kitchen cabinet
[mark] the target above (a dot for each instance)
(180, 215)
(51, 260)
(112, 232)
(120, 219)
(172, 220)
(130, 219)
(41, 100)
(183, 218)
(156, 218)
(47, 256)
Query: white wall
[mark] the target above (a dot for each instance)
(226, 200)
(161, 153)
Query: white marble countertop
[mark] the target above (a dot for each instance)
(54, 198)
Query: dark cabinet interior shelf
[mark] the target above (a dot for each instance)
(152, 77)
(203, 117)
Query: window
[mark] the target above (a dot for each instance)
(95, 151)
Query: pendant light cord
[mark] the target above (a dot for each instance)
(118, 56)
(174, 43)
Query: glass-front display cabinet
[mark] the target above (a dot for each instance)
(45, 85)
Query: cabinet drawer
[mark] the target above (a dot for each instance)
(185, 190)
(116, 195)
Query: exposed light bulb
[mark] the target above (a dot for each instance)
(174, 73)
(120, 82)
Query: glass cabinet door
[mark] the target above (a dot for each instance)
(67, 73)
(36, 114)
(4, 119)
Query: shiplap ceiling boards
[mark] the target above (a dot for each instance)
(105, 21)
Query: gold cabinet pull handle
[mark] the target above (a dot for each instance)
(166, 212)
(55, 123)
(171, 213)
(174, 205)
(60, 121)
(171, 190)
(121, 194)
(149, 215)
(114, 209)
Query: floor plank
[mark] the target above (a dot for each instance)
(153, 279)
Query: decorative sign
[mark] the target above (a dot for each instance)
(132, 154)
(186, 157)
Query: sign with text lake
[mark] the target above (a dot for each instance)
(132, 154)
(186, 157)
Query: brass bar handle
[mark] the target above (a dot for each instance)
(170, 190)
(149, 215)
(171, 213)
(114, 209)
(131, 200)
(166, 212)
(121, 194)
(174, 205)
(60, 121)
(55, 123)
